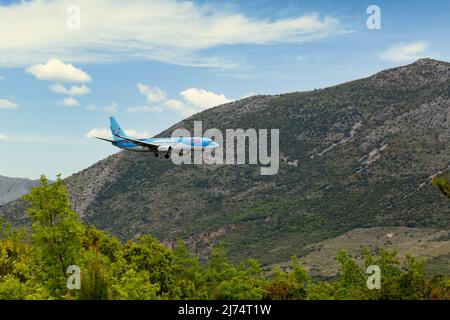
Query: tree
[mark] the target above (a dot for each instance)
(148, 254)
(442, 182)
(189, 273)
(351, 283)
(33, 266)
(94, 276)
(56, 233)
(19, 273)
(135, 285)
(292, 284)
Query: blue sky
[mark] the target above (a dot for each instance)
(152, 63)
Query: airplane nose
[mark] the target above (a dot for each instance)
(214, 144)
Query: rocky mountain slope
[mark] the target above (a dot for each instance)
(356, 155)
(430, 244)
(12, 188)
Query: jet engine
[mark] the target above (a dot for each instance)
(164, 149)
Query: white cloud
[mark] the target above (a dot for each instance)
(72, 91)
(70, 102)
(137, 134)
(153, 94)
(6, 104)
(204, 99)
(106, 133)
(404, 52)
(175, 104)
(112, 108)
(145, 109)
(164, 30)
(180, 107)
(101, 133)
(3, 137)
(194, 100)
(57, 71)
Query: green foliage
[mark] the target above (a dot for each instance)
(95, 277)
(399, 281)
(244, 282)
(33, 266)
(442, 182)
(288, 285)
(57, 232)
(135, 286)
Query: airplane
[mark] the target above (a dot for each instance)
(181, 145)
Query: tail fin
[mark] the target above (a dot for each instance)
(116, 129)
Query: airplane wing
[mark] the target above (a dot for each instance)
(151, 146)
(104, 139)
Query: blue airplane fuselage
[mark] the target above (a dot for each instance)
(181, 143)
(164, 146)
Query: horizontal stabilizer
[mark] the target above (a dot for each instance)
(104, 139)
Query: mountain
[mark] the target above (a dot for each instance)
(358, 155)
(12, 188)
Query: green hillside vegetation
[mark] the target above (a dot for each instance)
(33, 265)
(442, 182)
(430, 244)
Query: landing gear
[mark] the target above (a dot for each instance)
(156, 154)
(167, 155)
